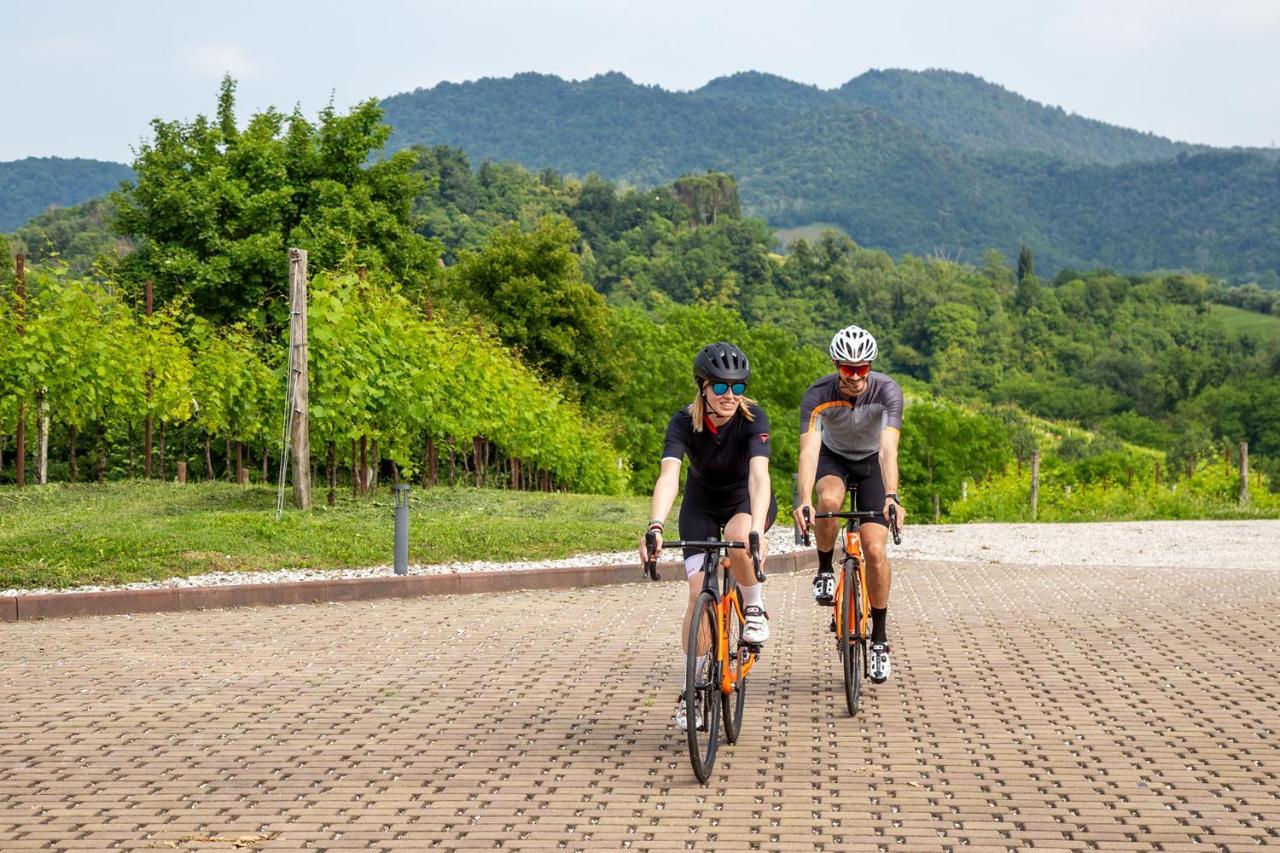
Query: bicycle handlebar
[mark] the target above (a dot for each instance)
(651, 544)
(863, 514)
(866, 514)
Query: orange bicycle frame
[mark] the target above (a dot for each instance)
(729, 675)
(853, 548)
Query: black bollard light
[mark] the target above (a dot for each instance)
(401, 492)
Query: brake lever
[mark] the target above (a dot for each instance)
(651, 567)
(893, 525)
(808, 523)
(754, 542)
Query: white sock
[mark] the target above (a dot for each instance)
(752, 596)
(702, 661)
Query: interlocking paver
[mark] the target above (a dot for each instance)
(1060, 708)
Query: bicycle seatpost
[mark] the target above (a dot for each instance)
(754, 543)
(651, 545)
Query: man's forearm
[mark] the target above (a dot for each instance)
(889, 473)
(806, 473)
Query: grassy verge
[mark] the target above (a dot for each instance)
(1242, 322)
(60, 536)
(1211, 493)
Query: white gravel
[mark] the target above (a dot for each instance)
(1159, 544)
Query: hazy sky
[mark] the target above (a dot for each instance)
(85, 78)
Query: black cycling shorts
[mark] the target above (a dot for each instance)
(861, 474)
(703, 514)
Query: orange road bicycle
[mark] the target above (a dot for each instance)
(717, 660)
(851, 616)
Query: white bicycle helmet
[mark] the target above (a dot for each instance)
(853, 344)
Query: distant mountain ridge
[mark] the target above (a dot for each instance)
(905, 161)
(965, 110)
(28, 187)
(909, 162)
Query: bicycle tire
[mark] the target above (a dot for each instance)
(702, 686)
(734, 702)
(850, 638)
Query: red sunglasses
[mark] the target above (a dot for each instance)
(848, 371)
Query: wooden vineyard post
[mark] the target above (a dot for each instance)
(299, 424)
(1244, 472)
(1035, 483)
(20, 267)
(146, 424)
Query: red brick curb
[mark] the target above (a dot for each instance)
(15, 608)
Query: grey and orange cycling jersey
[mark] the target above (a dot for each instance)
(851, 427)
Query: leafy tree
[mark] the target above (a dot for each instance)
(529, 286)
(1026, 263)
(215, 208)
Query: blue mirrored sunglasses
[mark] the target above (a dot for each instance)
(718, 388)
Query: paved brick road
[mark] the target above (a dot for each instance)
(1056, 708)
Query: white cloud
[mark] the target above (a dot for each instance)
(216, 59)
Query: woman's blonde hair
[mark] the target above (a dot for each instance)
(698, 409)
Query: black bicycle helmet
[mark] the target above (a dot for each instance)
(721, 362)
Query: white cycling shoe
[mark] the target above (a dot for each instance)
(824, 589)
(755, 625)
(879, 662)
(682, 716)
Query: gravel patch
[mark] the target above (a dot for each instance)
(1161, 544)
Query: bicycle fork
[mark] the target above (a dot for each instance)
(745, 658)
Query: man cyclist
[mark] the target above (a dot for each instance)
(726, 437)
(849, 426)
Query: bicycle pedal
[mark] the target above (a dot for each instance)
(832, 626)
(751, 648)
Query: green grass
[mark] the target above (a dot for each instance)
(1212, 493)
(1251, 323)
(809, 233)
(60, 536)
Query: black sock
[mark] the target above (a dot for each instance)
(824, 560)
(879, 624)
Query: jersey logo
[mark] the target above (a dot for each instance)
(764, 438)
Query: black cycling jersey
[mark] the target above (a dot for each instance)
(717, 487)
(719, 457)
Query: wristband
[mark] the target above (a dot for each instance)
(895, 497)
(656, 525)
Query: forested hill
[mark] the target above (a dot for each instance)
(906, 162)
(28, 187)
(963, 110)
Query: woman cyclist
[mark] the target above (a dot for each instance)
(726, 437)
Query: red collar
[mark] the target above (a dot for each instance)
(710, 424)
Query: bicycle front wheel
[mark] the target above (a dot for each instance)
(737, 656)
(851, 635)
(702, 686)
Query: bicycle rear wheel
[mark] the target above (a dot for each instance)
(850, 634)
(734, 702)
(702, 687)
